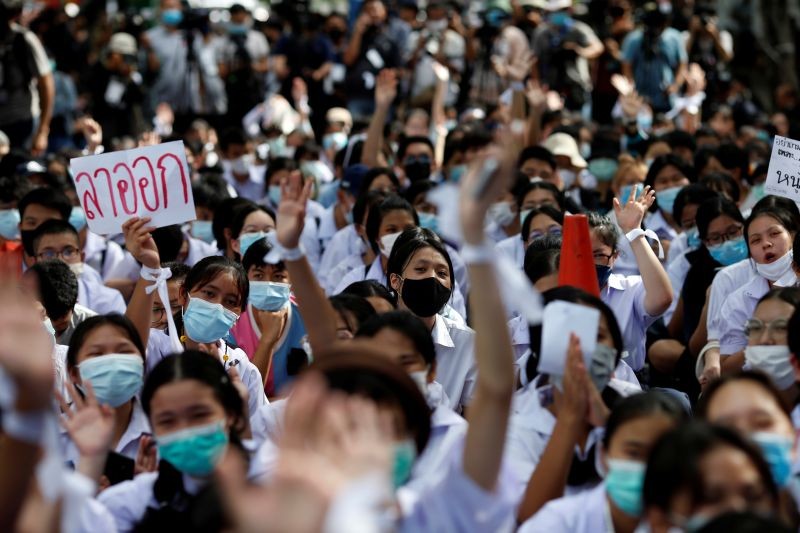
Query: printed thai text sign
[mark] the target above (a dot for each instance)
(783, 175)
(152, 181)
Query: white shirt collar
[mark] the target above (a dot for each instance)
(440, 333)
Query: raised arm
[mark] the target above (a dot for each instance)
(318, 313)
(385, 93)
(658, 289)
(489, 412)
(139, 242)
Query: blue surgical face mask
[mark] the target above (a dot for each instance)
(429, 221)
(172, 17)
(207, 322)
(77, 218)
(625, 193)
(603, 168)
(9, 224)
(603, 273)
(666, 199)
(115, 378)
(268, 295)
(560, 19)
(456, 173)
(274, 194)
(777, 450)
(693, 238)
(246, 240)
(624, 483)
(729, 252)
(337, 141)
(404, 455)
(195, 451)
(203, 230)
(523, 215)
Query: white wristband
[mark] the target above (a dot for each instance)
(291, 254)
(477, 254)
(27, 427)
(634, 234)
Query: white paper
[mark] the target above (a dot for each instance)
(151, 181)
(560, 319)
(783, 174)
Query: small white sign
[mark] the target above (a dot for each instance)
(560, 319)
(152, 181)
(783, 175)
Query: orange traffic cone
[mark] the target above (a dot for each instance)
(577, 262)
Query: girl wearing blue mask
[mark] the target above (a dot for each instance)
(634, 426)
(270, 329)
(106, 352)
(667, 176)
(751, 404)
(698, 471)
(637, 301)
(215, 291)
(197, 416)
(250, 223)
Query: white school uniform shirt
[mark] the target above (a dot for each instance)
(625, 296)
(109, 259)
(331, 279)
(342, 245)
(252, 188)
(626, 264)
(198, 250)
(677, 270)
(727, 280)
(737, 309)
(513, 248)
(128, 501)
(678, 247)
(327, 226)
(455, 360)
(585, 512)
(529, 430)
(128, 444)
(159, 347)
(94, 295)
(496, 233)
(657, 222)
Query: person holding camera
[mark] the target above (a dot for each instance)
(709, 47)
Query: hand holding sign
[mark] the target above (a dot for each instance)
(152, 181)
(783, 175)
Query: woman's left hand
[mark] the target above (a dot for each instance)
(90, 425)
(630, 215)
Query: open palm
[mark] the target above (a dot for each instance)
(90, 425)
(630, 215)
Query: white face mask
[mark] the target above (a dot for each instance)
(501, 213)
(77, 269)
(387, 243)
(420, 377)
(772, 360)
(437, 25)
(777, 269)
(241, 165)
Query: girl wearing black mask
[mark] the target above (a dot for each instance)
(421, 272)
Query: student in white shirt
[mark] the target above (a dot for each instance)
(250, 223)
(698, 471)
(751, 404)
(197, 416)
(668, 174)
(769, 233)
(106, 352)
(637, 301)
(216, 291)
(634, 426)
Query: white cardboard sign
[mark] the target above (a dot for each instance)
(152, 181)
(560, 319)
(783, 174)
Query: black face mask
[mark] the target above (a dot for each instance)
(424, 297)
(603, 273)
(26, 236)
(417, 169)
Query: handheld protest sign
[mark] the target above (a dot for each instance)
(783, 174)
(152, 181)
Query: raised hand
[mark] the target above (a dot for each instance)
(630, 215)
(146, 456)
(89, 425)
(536, 94)
(139, 242)
(25, 350)
(292, 210)
(385, 88)
(441, 72)
(575, 388)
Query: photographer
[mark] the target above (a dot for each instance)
(181, 55)
(709, 47)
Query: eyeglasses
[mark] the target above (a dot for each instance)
(733, 232)
(537, 234)
(602, 259)
(157, 314)
(70, 252)
(777, 329)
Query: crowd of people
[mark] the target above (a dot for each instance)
(503, 265)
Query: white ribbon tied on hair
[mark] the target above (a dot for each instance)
(159, 277)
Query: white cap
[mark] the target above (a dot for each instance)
(558, 5)
(565, 145)
(122, 43)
